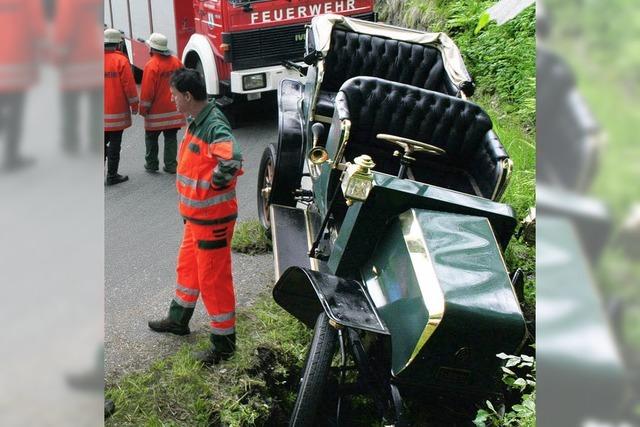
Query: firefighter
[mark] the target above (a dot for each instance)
(21, 30)
(77, 40)
(209, 162)
(120, 101)
(160, 114)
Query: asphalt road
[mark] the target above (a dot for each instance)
(142, 236)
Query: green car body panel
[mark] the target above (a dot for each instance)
(433, 276)
(431, 263)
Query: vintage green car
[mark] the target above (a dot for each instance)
(387, 230)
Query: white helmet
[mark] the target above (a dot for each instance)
(112, 36)
(158, 42)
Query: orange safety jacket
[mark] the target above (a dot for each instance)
(78, 38)
(21, 30)
(209, 162)
(156, 106)
(120, 93)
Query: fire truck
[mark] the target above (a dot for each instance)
(242, 47)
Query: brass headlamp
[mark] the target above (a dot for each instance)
(357, 179)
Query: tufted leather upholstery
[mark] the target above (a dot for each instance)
(461, 128)
(353, 54)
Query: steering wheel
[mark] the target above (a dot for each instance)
(411, 145)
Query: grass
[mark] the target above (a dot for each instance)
(256, 387)
(249, 238)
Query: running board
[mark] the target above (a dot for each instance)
(291, 239)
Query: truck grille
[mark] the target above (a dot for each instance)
(269, 46)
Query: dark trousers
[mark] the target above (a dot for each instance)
(11, 115)
(71, 125)
(170, 149)
(112, 144)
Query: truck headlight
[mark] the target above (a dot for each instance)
(254, 81)
(357, 179)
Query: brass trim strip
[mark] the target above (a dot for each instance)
(345, 129)
(323, 119)
(274, 243)
(428, 282)
(316, 90)
(503, 180)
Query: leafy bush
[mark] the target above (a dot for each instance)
(522, 414)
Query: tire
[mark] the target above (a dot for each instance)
(199, 68)
(315, 374)
(266, 172)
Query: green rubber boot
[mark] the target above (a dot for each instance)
(222, 348)
(177, 322)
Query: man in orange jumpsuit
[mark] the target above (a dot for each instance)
(120, 101)
(159, 111)
(209, 162)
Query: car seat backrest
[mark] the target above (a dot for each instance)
(377, 106)
(353, 54)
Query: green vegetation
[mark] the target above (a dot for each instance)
(249, 238)
(520, 375)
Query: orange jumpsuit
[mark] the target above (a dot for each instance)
(209, 163)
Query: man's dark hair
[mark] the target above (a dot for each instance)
(188, 80)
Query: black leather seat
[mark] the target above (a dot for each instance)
(354, 54)
(473, 160)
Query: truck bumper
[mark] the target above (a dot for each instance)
(272, 76)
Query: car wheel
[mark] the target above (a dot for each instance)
(315, 374)
(266, 173)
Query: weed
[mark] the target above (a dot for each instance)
(249, 238)
(519, 375)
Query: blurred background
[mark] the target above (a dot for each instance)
(588, 225)
(51, 212)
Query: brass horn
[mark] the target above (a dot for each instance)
(318, 153)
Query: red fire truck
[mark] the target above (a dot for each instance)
(238, 45)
